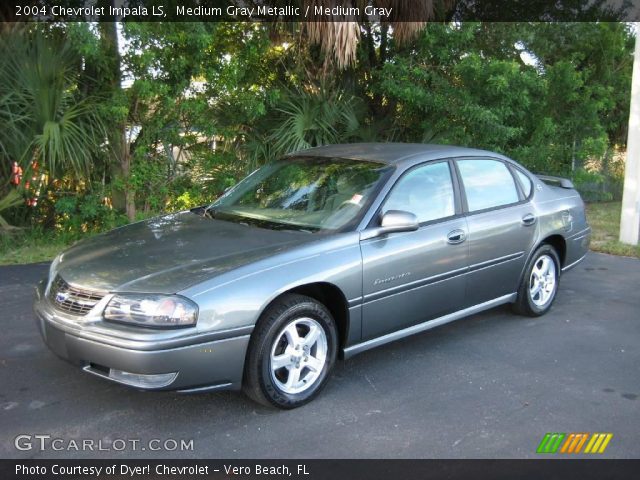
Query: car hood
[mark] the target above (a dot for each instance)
(169, 253)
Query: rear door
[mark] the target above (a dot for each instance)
(502, 225)
(411, 277)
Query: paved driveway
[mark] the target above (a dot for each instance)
(488, 386)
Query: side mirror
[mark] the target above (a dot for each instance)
(393, 221)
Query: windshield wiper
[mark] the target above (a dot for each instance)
(295, 230)
(214, 213)
(203, 211)
(209, 212)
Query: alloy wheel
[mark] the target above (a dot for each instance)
(543, 281)
(298, 355)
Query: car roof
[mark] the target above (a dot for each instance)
(393, 153)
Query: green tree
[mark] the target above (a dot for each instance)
(470, 84)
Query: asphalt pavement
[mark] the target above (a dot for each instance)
(489, 386)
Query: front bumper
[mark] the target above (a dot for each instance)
(199, 366)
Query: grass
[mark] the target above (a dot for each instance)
(604, 219)
(33, 247)
(20, 248)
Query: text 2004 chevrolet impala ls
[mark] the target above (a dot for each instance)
(330, 251)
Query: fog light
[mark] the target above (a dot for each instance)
(143, 381)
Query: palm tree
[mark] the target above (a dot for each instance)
(339, 39)
(45, 119)
(48, 119)
(310, 119)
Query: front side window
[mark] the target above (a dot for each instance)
(425, 191)
(487, 184)
(304, 193)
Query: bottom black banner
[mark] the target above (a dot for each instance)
(319, 469)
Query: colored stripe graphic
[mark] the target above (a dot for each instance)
(598, 443)
(550, 443)
(573, 443)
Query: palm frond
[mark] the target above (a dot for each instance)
(11, 199)
(47, 119)
(309, 119)
(339, 38)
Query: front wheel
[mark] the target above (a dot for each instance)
(291, 353)
(539, 285)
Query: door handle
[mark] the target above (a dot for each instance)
(529, 219)
(456, 236)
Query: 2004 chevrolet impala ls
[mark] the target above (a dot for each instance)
(333, 250)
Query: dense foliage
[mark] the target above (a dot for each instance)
(109, 123)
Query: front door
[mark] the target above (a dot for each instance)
(414, 276)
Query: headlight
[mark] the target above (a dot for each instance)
(154, 311)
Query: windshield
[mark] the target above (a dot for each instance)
(304, 193)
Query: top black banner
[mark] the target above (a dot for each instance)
(393, 11)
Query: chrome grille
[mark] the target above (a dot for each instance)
(72, 299)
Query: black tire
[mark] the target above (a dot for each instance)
(525, 304)
(259, 382)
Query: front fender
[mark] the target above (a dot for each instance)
(238, 299)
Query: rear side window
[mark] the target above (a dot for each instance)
(525, 181)
(487, 184)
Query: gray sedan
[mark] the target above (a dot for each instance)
(324, 254)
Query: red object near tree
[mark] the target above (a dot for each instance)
(16, 174)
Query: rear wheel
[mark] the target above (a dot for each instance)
(539, 285)
(291, 353)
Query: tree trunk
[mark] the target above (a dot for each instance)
(123, 199)
(125, 169)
